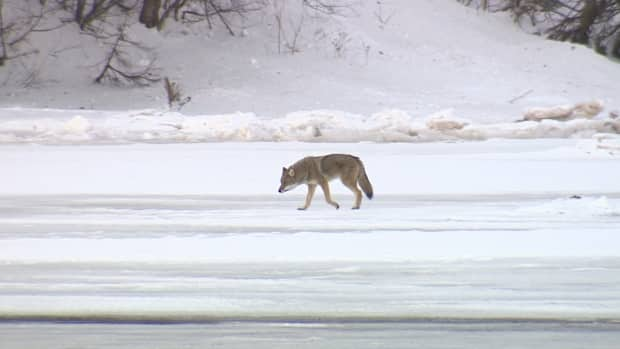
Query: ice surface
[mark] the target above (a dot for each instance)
(496, 167)
(197, 232)
(310, 335)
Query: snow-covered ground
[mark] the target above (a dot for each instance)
(195, 230)
(561, 167)
(431, 56)
(117, 211)
(516, 235)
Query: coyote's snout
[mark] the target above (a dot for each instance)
(319, 170)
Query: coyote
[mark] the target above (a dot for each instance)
(313, 170)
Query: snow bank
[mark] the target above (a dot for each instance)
(564, 112)
(19, 125)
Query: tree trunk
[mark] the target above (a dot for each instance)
(589, 14)
(149, 16)
(79, 11)
(2, 40)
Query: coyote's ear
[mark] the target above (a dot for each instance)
(283, 169)
(291, 172)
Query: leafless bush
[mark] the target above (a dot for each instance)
(289, 32)
(383, 18)
(290, 17)
(175, 95)
(332, 7)
(340, 42)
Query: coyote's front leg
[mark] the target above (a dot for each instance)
(311, 189)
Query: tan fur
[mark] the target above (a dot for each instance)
(319, 170)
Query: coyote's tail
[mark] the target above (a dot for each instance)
(364, 181)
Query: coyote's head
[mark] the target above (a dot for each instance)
(288, 180)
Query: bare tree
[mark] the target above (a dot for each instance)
(590, 22)
(108, 22)
(17, 25)
(117, 66)
(169, 7)
(225, 11)
(84, 15)
(149, 15)
(3, 54)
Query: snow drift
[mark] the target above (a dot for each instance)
(19, 125)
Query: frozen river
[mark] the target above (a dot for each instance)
(241, 335)
(238, 272)
(142, 246)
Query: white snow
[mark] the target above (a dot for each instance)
(432, 56)
(495, 167)
(113, 205)
(22, 125)
(376, 246)
(585, 110)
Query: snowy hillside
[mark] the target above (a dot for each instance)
(420, 57)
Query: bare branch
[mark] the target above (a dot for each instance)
(118, 68)
(595, 23)
(332, 7)
(18, 27)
